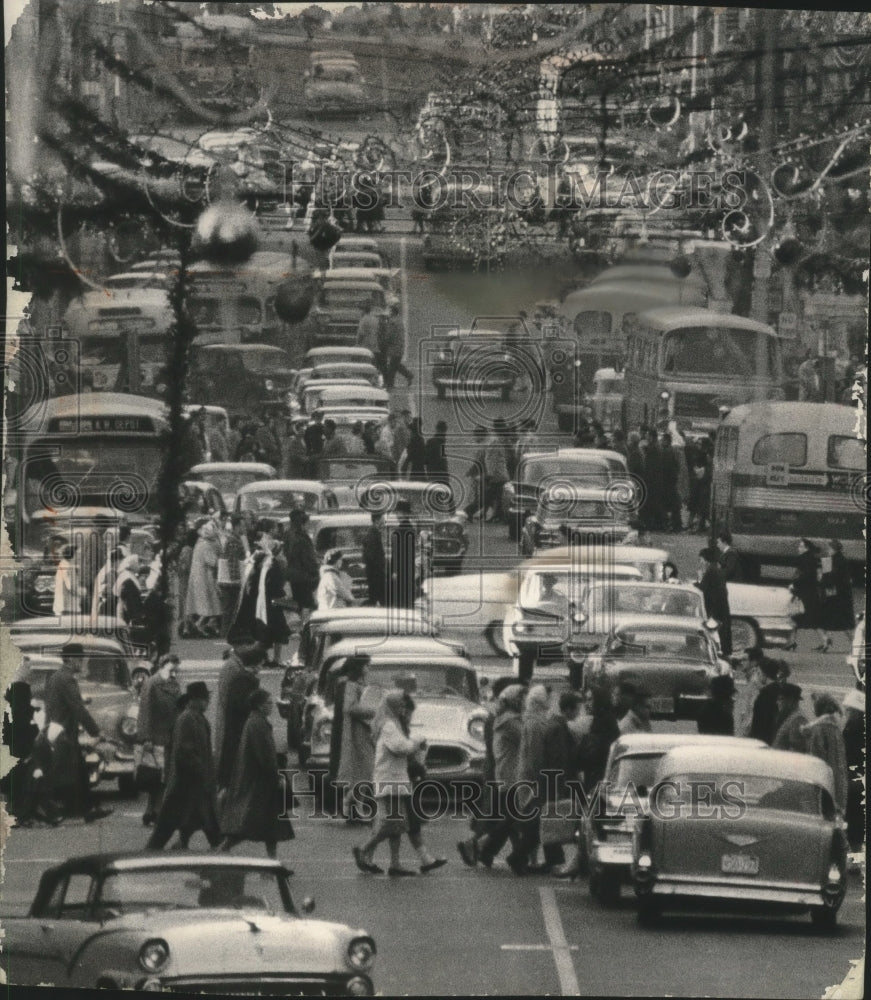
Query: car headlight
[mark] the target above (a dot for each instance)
(153, 955)
(476, 728)
(519, 628)
(645, 861)
(361, 953)
(270, 385)
(128, 727)
(834, 873)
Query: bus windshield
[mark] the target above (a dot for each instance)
(719, 351)
(111, 351)
(93, 469)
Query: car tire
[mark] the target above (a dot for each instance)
(607, 887)
(745, 635)
(649, 911)
(127, 786)
(824, 920)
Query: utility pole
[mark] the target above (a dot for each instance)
(766, 21)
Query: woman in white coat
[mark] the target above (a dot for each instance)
(334, 591)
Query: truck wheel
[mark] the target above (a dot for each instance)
(127, 786)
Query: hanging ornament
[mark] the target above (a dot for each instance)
(664, 112)
(748, 224)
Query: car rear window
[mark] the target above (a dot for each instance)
(752, 792)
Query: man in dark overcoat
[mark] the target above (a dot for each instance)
(375, 561)
(712, 583)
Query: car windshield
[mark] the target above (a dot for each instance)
(209, 311)
(267, 501)
(266, 361)
(193, 888)
(750, 791)
(107, 669)
(665, 600)
(348, 537)
(230, 481)
(580, 473)
(425, 678)
(675, 645)
(636, 771)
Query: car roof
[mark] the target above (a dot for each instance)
(644, 743)
(397, 647)
(768, 763)
(298, 485)
(140, 860)
(569, 491)
(335, 350)
(398, 616)
(681, 317)
(604, 453)
(593, 457)
(348, 273)
(49, 641)
(658, 585)
(348, 364)
(616, 553)
(340, 518)
(233, 467)
(65, 623)
(661, 623)
(373, 626)
(361, 390)
(367, 286)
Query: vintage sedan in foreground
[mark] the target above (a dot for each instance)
(606, 832)
(674, 659)
(182, 923)
(442, 682)
(743, 829)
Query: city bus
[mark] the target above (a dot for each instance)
(594, 316)
(686, 366)
(784, 471)
(123, 338)
(235, 303)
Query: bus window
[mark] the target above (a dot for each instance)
(593, 328)
(845, 452)
(790, 449)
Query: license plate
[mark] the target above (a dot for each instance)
(739, 864)
(662, 706)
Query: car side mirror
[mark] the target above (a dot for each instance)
(308, 905)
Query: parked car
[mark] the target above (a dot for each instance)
(276, 498)
(674, 658)
(106, 683)
(574, 514)
(191, 923)
(338, 308)
(334, 86)
(606, 831)
(442, 682)
(563, 467)
(229, 477)
(433, 511)
(322, 630)
(772, 838)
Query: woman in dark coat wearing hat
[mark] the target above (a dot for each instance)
(805, 586)
(303, 565)
(254, 802)
(189, 802)
(259, 617)
(837, 593)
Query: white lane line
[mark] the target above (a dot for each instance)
(553, 924)
(534, 947)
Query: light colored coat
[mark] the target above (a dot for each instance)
(392, 750)
(202, 593)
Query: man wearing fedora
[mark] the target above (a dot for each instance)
(189, 802)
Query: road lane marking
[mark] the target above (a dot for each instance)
(559, 945)
(534, 947)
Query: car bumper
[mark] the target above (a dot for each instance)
(777, 634)
(795, 894)
(482, 385)
(308, 985)
(612, 856)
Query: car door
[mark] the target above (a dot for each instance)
(51, 940)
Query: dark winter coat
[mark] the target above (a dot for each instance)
(595, 746)
(241, 685)
(806, 587)
(763, 725)
(716, 718)
(560, 754)
(190, 795)
(157, 710)
(716, 596)
(303, 568)
(65, 706)
(255, 796)
(375, 562)
(837, 593)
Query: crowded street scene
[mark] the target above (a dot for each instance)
(434, 499)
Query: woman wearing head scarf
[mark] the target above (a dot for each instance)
(334, 591)
(394, 744)
(127, 591)
(203, 602)
(258, 616)
(254, 803)
(836, 585)
(826, 741)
